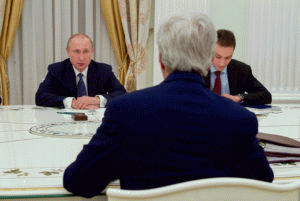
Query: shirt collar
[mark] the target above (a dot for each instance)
(83, 72)
(213, 69)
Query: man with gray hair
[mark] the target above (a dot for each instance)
(174, 132)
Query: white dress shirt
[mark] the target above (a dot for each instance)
(224, 80)
(68, 101)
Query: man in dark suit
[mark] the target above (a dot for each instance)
(237, 80)
(176, 131)
(78, 82)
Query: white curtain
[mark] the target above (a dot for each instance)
(2, 11)
(274, 46)
(41, 40)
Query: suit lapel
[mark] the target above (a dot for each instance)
(91, 81)
(69, 79)
(232, 79)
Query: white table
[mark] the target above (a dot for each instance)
(37, 144)
(281, 119)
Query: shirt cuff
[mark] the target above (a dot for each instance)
(103, 100)
(68, 102)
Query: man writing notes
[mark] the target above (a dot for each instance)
(233, 79)
(78, 82)
(174, 132)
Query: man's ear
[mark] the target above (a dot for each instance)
(67, 50)
(162, 66)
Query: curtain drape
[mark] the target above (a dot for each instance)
(274, 45)
(135, 15)
(110, 10)
(2, 11)
(13, 10)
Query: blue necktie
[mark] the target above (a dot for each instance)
(81, 91)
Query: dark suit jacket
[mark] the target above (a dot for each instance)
(174, 132)
(241, 80)
(60, 83)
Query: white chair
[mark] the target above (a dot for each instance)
(213, 189)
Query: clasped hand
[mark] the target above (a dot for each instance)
(86, 102)
(236, 99)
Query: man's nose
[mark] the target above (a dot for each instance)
(81, 56)
(222, 62)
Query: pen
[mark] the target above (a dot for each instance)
(67, 113)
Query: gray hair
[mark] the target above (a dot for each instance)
(187, 45)
(81, 35)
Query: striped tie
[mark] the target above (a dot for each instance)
(81, 91)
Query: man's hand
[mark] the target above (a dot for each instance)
(86, 102)
(236, 98)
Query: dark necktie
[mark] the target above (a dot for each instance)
(217, 86)
(81, 91)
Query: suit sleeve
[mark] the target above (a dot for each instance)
(45, 95)
(98, 163)
(115, 88)
(253, 163)
(256, 92)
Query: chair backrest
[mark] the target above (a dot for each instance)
(213, 189)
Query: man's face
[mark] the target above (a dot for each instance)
(80, 52)
(222, 57)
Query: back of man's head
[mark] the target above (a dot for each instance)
(226, 38)
(187, 44)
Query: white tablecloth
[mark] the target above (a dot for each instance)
(38, 143)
